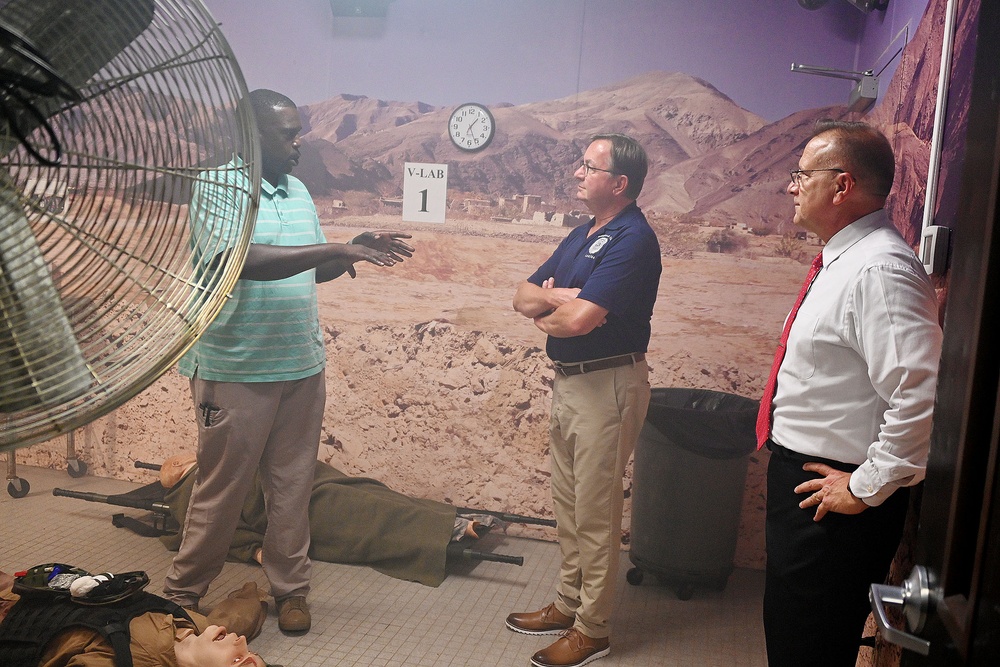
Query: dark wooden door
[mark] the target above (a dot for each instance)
(958, 539)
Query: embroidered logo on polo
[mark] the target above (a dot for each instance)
(596, 246)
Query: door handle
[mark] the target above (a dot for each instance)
(917, 596)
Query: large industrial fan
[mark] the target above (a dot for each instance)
(110, 110)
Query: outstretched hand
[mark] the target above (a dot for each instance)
(389, 243)
(359, 252)
(348, 254)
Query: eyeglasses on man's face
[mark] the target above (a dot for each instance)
(588, 168)
(797, 174)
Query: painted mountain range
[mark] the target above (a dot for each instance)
(711, 159)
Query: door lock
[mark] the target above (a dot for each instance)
(918, 596)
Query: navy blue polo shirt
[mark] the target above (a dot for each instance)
(618, 268)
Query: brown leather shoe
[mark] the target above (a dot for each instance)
(547, 621)
(293, 614)
(573, 649)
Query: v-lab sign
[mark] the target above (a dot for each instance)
(425, 192)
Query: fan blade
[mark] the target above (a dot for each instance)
(109, 111)
(40, 360)
(52, 28)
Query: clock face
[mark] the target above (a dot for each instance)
(471, 127)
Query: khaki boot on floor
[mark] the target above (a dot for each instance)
(242, 612)
(293, 614)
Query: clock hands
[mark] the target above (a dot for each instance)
(469, 131)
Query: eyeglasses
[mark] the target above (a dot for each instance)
(587, 168)
(796, 174)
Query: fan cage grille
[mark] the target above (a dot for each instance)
(111, 220)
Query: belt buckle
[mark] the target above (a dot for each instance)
(567, 370)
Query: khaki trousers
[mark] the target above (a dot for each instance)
(596, 419)
(270, 426)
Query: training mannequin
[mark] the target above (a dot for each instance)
(353, 520)
(158, 639)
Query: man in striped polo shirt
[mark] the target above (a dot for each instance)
(257, 374)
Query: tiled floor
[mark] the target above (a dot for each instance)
(361, 617)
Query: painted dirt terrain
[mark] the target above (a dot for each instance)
(439, 389)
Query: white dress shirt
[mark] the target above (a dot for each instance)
(858, 380)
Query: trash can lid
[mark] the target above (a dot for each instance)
(713, 424)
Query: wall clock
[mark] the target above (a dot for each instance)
(471, 127)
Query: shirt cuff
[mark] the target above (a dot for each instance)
(866, 486)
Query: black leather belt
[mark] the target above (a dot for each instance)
(598, 364)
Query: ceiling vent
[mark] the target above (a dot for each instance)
(863, 5)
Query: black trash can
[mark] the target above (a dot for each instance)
(687, 487)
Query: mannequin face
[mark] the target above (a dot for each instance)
(175, 467)
(216, 648)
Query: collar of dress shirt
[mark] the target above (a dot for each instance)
(853, 233)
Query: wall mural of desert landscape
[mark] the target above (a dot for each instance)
(435, 385)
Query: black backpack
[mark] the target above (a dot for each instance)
(46, 609)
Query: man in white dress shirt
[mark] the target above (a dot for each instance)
(853, 404)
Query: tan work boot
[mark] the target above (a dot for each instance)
(293, 614)
(242, 612)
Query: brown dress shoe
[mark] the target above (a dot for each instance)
(547, 621)
(293, 615)
(573, 649)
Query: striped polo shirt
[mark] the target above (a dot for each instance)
(269, 330)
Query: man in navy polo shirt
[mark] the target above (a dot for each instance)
(594, 298)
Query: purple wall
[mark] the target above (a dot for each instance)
(444, 52)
